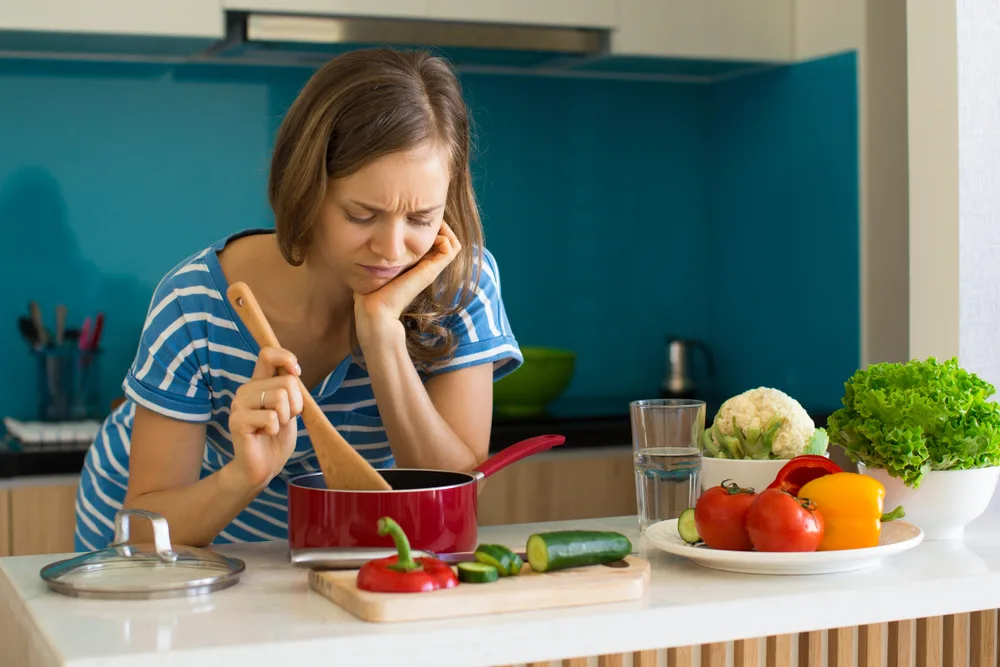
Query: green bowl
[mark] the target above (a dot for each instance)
(542, 378)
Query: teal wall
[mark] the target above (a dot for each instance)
(619, 212)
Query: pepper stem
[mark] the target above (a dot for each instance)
(897, 513)
(404, 562)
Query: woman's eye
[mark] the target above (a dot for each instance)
(422, 222)
(356, 219)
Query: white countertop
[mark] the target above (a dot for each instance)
(271, 617)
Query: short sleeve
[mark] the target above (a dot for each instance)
(165, 375)
(482, 330)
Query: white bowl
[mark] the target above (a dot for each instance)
(745, 472)
(945, 502)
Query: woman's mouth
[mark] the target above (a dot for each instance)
(383, 271)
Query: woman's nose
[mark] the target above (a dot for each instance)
(389, 241)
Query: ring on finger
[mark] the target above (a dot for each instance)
(262, 395)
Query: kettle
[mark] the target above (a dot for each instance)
(678, 381)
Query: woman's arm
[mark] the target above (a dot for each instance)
(444, 424)
(164, 467)
(166, 455)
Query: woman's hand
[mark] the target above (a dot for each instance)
(262, 417)
(384, 306)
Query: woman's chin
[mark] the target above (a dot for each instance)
(368, 284)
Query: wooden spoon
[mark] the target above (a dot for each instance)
(342, 466)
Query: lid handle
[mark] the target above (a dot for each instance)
(161, 533)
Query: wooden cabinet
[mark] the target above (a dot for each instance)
(376, 8)
(38, 516)
(753, 30)
(723, 29)
(4, 523)
(574, 484)
(168, 18)
(562, 13)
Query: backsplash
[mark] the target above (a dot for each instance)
(619, 212)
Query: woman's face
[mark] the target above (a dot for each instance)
(384, 218)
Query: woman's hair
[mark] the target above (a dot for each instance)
(360, 106)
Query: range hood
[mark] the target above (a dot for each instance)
(303, 40)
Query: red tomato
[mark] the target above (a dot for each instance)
(778, 521)
(721, 517)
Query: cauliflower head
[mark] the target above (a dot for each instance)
(763, 423)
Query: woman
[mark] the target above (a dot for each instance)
(377, 285)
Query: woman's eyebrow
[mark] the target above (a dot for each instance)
(372, 208)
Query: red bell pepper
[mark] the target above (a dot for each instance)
(402, 573)
(802, 469)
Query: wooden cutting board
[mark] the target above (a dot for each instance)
(526, 591)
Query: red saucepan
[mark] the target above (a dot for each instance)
(436, 508)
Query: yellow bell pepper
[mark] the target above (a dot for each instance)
(852, 508)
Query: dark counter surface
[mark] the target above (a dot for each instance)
(586, 423)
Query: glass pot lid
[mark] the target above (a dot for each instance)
(136, 571)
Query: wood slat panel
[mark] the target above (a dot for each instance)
(811, 649)
(983, 638)
(575, 662)
(538, 664)
(778, 651)
(648, 658)
(955, 643)
(682, 656)
(840, 647)
(901, 643)
(930, 640)
(713, 655)
(746, 653)
(870, 645)
(611, 660)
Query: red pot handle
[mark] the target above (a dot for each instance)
(518, 451)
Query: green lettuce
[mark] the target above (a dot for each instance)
(917, 416)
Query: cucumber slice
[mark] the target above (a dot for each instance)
(477, 573)
(687, 527)
(503, 559)
(515, 563)
(575, 548)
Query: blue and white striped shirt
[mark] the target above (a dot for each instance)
(194, 352)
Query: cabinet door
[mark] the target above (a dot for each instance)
(380, 8)
(42, 518)
(4, 523)
(557, 486)
(169, 18)
(563, 13)
(724, 29)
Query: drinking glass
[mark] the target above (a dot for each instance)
(665, 446)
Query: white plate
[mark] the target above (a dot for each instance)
(897, 536)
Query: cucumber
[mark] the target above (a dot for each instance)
(575, 548)
(515, 563)
(503, 559)
(477, 573)
(687, 528)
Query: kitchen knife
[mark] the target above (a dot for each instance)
(352, 558)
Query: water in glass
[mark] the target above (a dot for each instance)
(667, 481)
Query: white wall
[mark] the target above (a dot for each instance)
(932, 101)
(954, 143)
(884, 192)
(978, 31)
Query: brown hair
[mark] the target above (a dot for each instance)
(360, 106)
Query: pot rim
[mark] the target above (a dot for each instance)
(474, 478)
